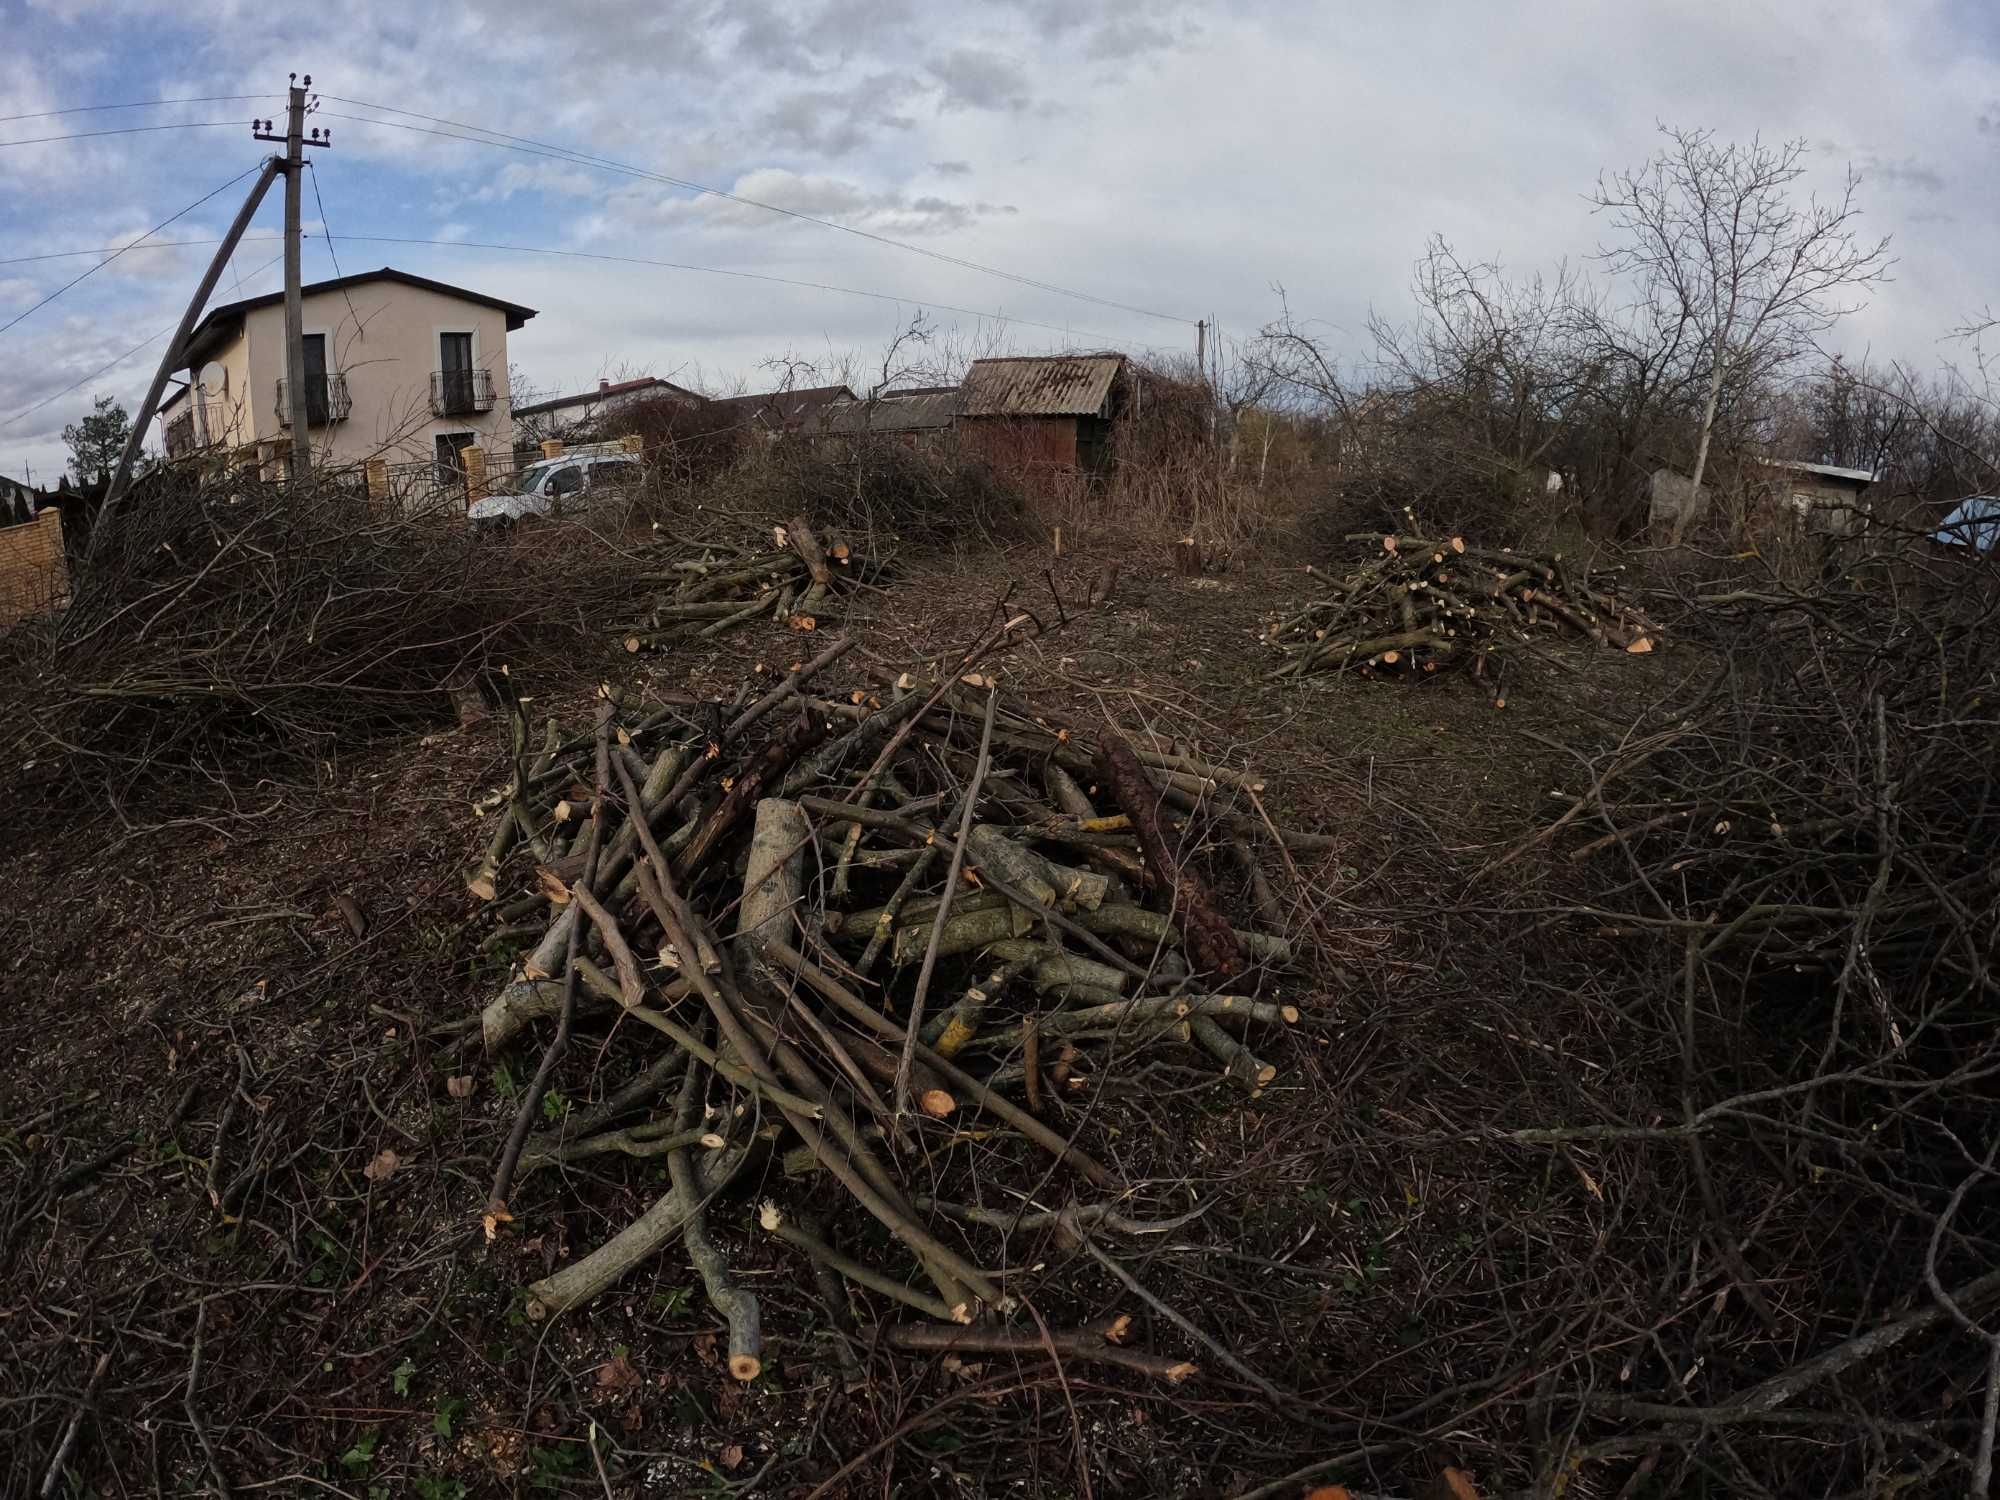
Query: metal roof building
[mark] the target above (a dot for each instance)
(928, 409)
(1064, 385)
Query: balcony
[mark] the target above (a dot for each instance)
(326, 401)
(461, 393)
(198, 425)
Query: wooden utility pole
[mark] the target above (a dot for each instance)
(177, 345)
(1201, 347)
(296, 402)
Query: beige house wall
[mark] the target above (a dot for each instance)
(384, 339)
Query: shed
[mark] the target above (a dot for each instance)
(1826, 497)
(1043, 414)
(775, 412)
(914, 416)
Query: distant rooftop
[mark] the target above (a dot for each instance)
(1825, 471)
(605, 390)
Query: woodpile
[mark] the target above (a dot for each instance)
(849, 934)
(793, 577)
(1422, 604)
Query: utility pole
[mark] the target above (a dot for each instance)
(296, 401)
(1201, 347)
(171, 360)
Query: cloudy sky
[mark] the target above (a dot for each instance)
(1171, 161)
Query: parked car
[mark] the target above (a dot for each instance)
(551, 486)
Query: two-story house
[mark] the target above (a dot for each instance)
(397, 367)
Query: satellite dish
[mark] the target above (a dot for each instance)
(213, 379)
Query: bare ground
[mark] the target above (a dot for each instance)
(358, 1335)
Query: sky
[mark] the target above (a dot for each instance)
(1168, 161)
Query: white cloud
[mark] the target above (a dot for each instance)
(1169, 156)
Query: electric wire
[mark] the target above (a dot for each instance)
(103, 370)
(91, 135)
(85, 109)
(671, 265)
(533, 147)
(73, 281)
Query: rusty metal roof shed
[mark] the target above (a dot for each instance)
(1064, 385)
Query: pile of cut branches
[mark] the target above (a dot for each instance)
(228, 629)
(1795, 859)
(1423, 603)
(719, 585)
(851, 935)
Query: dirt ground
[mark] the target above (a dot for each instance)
(206, 1068)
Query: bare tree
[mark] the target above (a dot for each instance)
(1712, 233)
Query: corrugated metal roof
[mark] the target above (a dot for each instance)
(784, 409)
(1072, 385)
(1825, 471)
(894, 411)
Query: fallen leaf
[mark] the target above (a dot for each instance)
(704, 1347)
(383, 1167)
(617, 1374)
(460, 1085)
(732, 1456)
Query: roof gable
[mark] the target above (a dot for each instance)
(219, 322)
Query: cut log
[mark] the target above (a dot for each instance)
(1211, 942)
(809, 550)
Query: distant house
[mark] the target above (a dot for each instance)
(581, 417)
(1825, 498)
(776, 412)
(915, 417)
(18, 501)
(1042, 416)
(397, 366)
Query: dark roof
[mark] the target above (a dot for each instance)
(895, 411)
(1064, 385)
(210, 329)
(603, 392)
(786, 410)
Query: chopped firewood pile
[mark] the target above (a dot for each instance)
(1423, 604)
(852, 936)
(793, 577)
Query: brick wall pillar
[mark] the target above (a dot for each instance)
(473, 462)
(552, 448)
(33, 576)
(632, 443)
(377, 470)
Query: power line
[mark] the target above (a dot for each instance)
(327, 234)
(563, 153)
(22, 260)
(85, 109)
(671, 265)
(123, 248)
(103, 370)
(90, 135)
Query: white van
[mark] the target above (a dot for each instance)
(552, 485)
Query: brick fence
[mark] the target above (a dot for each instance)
(33, 577)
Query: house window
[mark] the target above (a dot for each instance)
(449, 469)
(455, 371)
(317, 405)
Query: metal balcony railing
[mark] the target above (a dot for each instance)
(200, 424)
(458, 393)
(326, 400)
